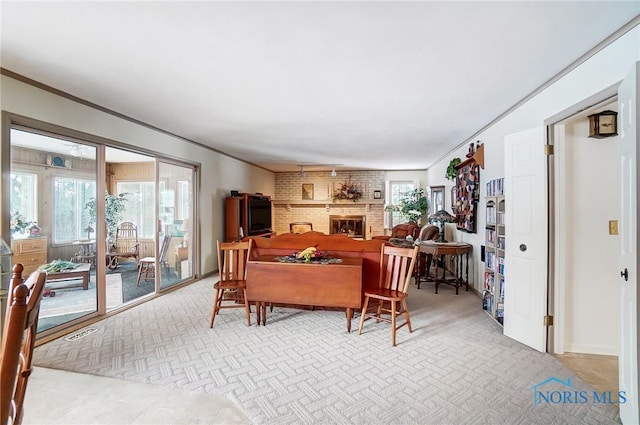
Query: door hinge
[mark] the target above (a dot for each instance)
(548, 150)
(548, 320)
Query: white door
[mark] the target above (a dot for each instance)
(628, 117)
(526, 230)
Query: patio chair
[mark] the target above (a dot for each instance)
(126, 245)
(147, 265)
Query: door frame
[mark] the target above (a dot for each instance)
(556, 288)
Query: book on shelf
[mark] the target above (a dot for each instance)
(490, 260)
(495, 187)
(491, 236)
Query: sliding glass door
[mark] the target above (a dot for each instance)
(175, 227)
(52, 181)
(110, 225)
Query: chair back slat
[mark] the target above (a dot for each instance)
(232, 259)
(397, 267)
(21, 323)
(164, 249)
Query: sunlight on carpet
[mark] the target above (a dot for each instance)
(76, 300)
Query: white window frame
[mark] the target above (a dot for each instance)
(393, 218)
(29, 212)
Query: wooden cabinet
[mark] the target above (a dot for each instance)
(247, 215)
(494, 255)
(31, 252)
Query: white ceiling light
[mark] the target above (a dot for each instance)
(302, 173)
(333, 172)
(76, 151)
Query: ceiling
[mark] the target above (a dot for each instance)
(360, 85)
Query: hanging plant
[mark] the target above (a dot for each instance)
(452, 172)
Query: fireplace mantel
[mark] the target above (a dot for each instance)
(327, 204)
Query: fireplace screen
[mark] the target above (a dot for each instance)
(348, 225)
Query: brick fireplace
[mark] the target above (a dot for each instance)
(289, 205)
(353, 226)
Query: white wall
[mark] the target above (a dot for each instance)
(602, 70)
(589, 261)
(219, 173)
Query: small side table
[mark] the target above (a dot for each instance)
(457, 250)
(182, 253)
(86, 254)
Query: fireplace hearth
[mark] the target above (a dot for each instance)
(348, 225)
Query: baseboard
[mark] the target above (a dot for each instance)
(603, 350)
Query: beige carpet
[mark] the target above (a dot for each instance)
(303, 367)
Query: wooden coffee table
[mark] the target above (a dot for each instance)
(82, 271)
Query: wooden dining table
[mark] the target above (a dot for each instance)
(335, 284)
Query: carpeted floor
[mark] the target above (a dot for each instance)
(303, 367)
(71, 301)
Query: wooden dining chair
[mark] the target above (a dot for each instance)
(231, 288)
(300, 227)
(19, 336)
(396, 269)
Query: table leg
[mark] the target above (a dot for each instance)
(436, 281)
(457, 271)
(466, 280)
(258, 312)
(349, 313)
(85, 281)
(263, 307)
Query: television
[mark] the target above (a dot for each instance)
(259, 215)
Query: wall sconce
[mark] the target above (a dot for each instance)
(302, 173)
(603, 124)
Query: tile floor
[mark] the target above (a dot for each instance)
(599, 371)
(60, 397)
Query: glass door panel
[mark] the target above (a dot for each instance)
(175, 225)
(131, 182)
(52, 181)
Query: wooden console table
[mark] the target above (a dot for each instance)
(314, 284)
(441, 249)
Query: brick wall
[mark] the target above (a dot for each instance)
(289, 188)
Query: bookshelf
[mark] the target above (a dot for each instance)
(494, 266)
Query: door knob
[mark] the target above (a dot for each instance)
(625, 274)
(523, 247)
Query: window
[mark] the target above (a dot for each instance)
(140, 206)
(71, 217)
(24, 190)
(393, 194)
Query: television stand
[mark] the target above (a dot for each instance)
(237, 216)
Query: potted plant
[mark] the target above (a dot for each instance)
(114, 210)
(414, 205)
(452, 172)
(19, 223)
